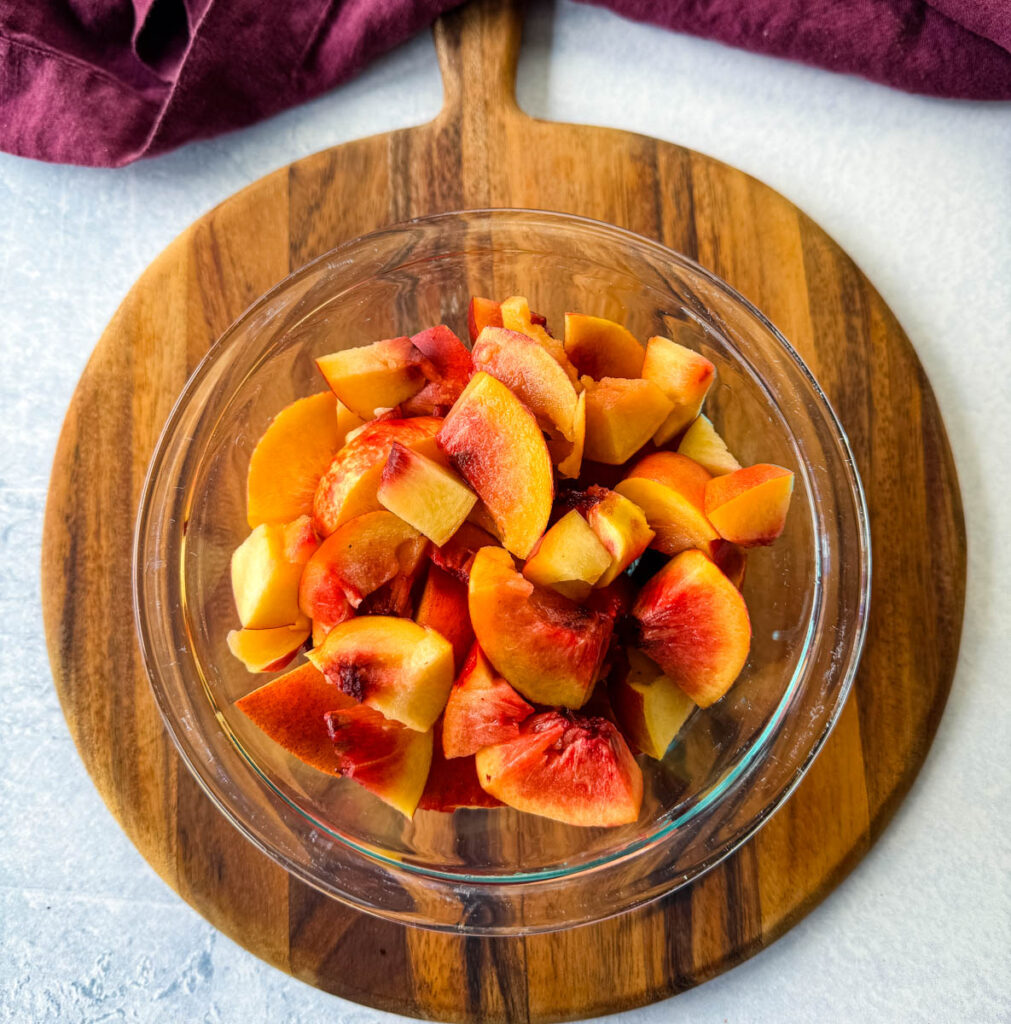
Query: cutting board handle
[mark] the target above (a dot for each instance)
(478, 44)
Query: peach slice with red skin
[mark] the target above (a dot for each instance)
(703, 444)
(495, 443)
(516, 316)
(565, 767)
(374, 377)
(456, 556)
(291, 710)
(268, 650)
(621, 416)
(684, 376)
(599, 347)
(266, 568)
(620, 525)
(443, 607)
(383, 756)
(433, 499)
(401, 669)
(749, 506)
(452, 783)
(482, 313)
(692, 621)
(289, 459)
(448, 368)
(482, 709)
(532, 375)
(568, 558)
(548, 647)
(651, 709)
(670, 489)
(350, 484)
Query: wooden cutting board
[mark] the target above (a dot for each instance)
(483, 151)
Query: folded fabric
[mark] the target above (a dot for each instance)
(105, 82)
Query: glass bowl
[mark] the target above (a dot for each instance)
(500, 871)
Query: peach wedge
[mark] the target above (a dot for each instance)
(621, 416)
(289, 459)
(601, 348)
(516, 316)
(448, 367)
(495, 443)
(684, 376)
(401, 669)
(443, 607)
(268, 650)
(266, 569)
(703, 445)
(482, 313)
(749, 506)
(650, 708)
(692, 621)
(350, 485)
(670, 489)
(548, 647)
(565, 767)
(434, 500)
(372, 378)
(569, 558)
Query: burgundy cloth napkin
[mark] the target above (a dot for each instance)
(105, 82)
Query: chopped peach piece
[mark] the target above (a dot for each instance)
(749, 506)
(670, 489)
(374, 377)
(482, 709)
(452, 783)
(447, 369)
(482, 313)
(684, 376)
(383, 756)
(702, 444)
(350, 485)
(568, 455)
(651, 708)
(268, 650)
(568, 558)
(621, 416)
(692, 621)
(601, 348)
(548, 647)
(289, 459)
(434, 500)
(495, 443)
(516, 316)
(265, 579)
(443, 607)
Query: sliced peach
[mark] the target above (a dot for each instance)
(670, 489)
(289, 459)
(494, 441)
(447, 369)
(684, 376)
(457, 556)
(383, 756)
(650, 708)
(532, 375)
(620, 525)
(749, 506)
(452, 783)
(702, 444)
(568, 455)
(516, 316)
(291, 710)
(265, 578)
(548, 647)
(621, 416)
(268, 650)
(350, 484)
(568, 558)
(482, 313)
(401, 669)
(482, 709)
(434, 500)
(374, 377)
(692, 621)
(443, 607)
(565, 767)
(602, 348)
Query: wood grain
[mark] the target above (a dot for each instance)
(483, 151)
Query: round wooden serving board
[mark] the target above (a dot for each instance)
(483, 151)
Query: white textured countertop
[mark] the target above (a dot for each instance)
(918, 191)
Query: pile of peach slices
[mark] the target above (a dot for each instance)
(518, 566)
